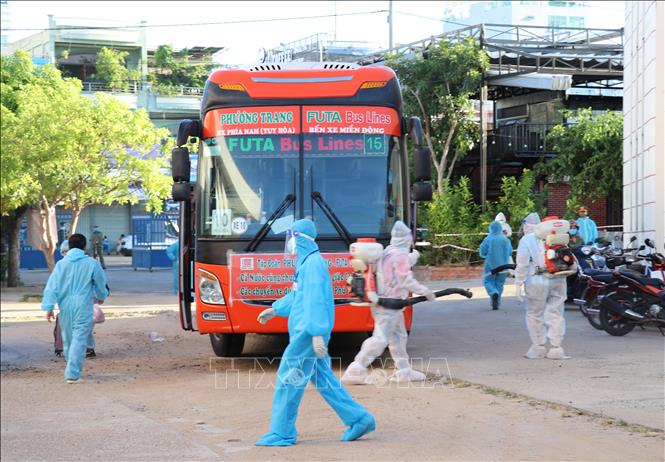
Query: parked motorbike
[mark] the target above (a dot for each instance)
(597, 258)
(596, 283)
(651, 264)
(641, 302)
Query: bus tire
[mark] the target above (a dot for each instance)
(225, 345)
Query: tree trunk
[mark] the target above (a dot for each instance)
(48, 235)
(76, 214)
(14, 247)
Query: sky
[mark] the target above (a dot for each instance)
(412, 21)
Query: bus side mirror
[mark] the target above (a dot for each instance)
(180, 171)
(189, 129)
(415, 131)
(181, 191)
(421, 191)
(180, 164)
(422, 164)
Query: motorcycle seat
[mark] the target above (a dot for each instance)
(642, 279)
(595, 272)
(602, 276)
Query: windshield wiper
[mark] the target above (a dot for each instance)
(253, 244)
(339, 227)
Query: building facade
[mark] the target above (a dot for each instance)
(644, 122)
(575, 14)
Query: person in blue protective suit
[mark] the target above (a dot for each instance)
(57, 336)
(587, 227)
(311, 312)
(496, 250)
(173, 253)
(74, 282)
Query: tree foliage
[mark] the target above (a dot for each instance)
(173, 70)
(60, 147)
(112, 70)
(455, 221)
(588, 155)
(438, 86)
(454, 215)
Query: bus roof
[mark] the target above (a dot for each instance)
(302, 80)
(302, 83)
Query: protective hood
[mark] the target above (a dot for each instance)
(75, 255)
(495, 228)
(401, 236)
(530, 222)
(304, 246)
(500, 217)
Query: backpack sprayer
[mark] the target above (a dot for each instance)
(365, 256)
(559, 258)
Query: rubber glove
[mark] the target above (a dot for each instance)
(320, 348)
(413, 257)
(266, 315)
(519, 291)
(429, 295)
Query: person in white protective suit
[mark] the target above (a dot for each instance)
(545, 296)
(507, 230)
(395, 280)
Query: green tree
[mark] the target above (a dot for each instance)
(117, 151)
(589, 155)
(438, 85)
(111, 69)
(173, 70)
(16, 180)
(455, 218)
(518, 199)
(79, 151)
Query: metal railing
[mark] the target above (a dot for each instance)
(515, 49)
(136, 86)
(520, 140)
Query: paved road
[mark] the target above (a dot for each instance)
(143, 400)
(620, 377)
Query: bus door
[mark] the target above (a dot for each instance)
(186, 295)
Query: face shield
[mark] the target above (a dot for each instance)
(290, 246)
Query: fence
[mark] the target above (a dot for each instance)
(151, 235)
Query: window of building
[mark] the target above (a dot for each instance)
(576, 21)
(556, 21)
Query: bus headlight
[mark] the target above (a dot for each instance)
(209, 288)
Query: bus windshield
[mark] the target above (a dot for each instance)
(244, 177)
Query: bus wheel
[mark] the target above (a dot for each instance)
(225, 345)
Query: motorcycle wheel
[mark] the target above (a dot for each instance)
(613, 323)
(593, 316)
(590, 311)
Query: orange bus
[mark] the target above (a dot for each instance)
(276, 143)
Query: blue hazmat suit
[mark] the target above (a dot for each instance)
(75, 281)
(311, 312)
(173, 253)
(587, 229)
(496, 250)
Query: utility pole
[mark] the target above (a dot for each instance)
(390, 24)
(483, 133)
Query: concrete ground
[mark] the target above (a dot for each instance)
(173, 400)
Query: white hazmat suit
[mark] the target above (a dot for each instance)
(501, 218)
(545, 296)
(394, 280)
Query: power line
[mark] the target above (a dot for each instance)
(217, 23)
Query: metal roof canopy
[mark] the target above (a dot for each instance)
(590, 57)
(587, 55)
